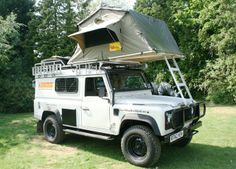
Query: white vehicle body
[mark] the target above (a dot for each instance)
(106, 100)
(102, 92)
(106, 114)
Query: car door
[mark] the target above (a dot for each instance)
(95, 109)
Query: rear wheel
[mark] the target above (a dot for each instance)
(140, 146)
(52, 130)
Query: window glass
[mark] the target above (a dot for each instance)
(92, 86)
(69, 85)
(127, 80)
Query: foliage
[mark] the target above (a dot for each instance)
(20, 8)
(16, 90)
(8, 34)
(220, 80)
(218, 27)
(204, 31)
(16, 93)
(52, 21)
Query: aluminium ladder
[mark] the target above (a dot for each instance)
(180, 85)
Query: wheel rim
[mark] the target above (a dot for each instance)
(137, 146)
(51, 130)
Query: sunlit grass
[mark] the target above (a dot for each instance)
(20, 147)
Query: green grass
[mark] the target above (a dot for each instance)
(21, 148)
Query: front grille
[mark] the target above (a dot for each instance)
(191, 112)
(188, 114)
(177, 119)
(184, 114)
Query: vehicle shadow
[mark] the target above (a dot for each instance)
(193, 156)
(105, 148)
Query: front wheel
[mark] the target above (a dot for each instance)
(140, 146)
(52, 130)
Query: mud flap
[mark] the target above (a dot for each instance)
(39, 128)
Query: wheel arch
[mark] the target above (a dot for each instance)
(47, 113)
(138, 119)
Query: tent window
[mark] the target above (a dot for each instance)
(99, 37)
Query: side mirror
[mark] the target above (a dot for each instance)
(101, 91)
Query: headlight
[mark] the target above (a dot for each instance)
(168, 119)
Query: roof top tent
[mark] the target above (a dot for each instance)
(114, 34)
(127, 36)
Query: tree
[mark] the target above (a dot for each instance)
(15, 91)
(52, 21)
(18, 7)
(21, 9)
(204, 31)
(8, 33)
(218, 36)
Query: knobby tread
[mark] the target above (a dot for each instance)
(154, 141)
(60, 134)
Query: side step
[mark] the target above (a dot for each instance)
(82, 133)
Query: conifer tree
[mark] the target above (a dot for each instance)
(53, 21)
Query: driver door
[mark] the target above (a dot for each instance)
(95, 109)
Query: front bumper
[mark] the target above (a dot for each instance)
(187, 131)
(177, 118)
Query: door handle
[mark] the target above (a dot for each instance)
(85, 108)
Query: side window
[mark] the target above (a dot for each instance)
(69, 85)
(92, 85)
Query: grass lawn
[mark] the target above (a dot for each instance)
(214, 147)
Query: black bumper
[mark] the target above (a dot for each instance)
(191, 130)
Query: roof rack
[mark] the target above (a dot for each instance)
(54, 67)
(47, 67)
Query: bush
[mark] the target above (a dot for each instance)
(220, 80)
(16, 95)
(16, 88)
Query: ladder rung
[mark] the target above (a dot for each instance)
(174, 69)
(181, 84)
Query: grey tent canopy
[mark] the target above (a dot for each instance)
(118, 35)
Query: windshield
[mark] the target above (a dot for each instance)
(125, 80)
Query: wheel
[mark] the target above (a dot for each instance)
(183, 142)
(53, 130)
(140, 146)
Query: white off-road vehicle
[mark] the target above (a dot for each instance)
(112, 98)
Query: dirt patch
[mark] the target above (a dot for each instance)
(49, 149)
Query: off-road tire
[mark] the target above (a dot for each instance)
(152, 143)
(183, 142)
(52, 130)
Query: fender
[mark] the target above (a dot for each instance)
(142, 118)
(52, 112)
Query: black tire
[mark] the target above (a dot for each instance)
(140, 146)
(52, 130)
(183, 142)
